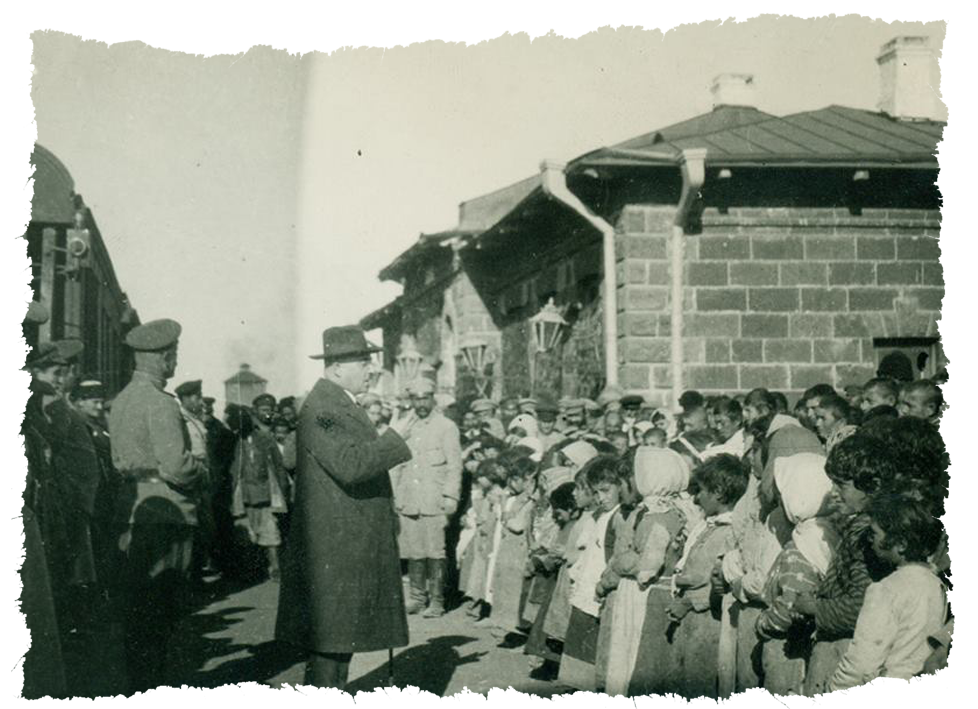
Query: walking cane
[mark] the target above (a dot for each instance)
(390, 667)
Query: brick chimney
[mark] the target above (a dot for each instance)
(906, 76)
(733, 90)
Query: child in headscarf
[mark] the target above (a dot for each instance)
(717, 485)
(642, 552)
(804, 490)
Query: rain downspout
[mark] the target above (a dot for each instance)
(555, 185)
(691, 163)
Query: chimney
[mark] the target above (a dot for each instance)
(906, 75)
(733, 90)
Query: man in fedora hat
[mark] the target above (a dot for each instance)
(341, 577)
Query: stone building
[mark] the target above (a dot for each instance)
(733, 250)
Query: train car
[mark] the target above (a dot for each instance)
(73, 276)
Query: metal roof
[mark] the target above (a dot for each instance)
(830, 136)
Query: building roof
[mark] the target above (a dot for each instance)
(54, 190)
(245, 376)
(474, 216)
(832, 136)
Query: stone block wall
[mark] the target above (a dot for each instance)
(782, 298)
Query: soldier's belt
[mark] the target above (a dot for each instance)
(143, 475)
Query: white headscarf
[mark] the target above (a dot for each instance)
(527, 423)
(660, 474)
(579, 453)
(804, 488)
(533, 444)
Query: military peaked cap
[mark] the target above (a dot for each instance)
(155, 335)
(262, 399)
(90, 389)
(189, 388)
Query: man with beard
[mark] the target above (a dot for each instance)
(426, 494)
(151, 451)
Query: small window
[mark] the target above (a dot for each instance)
(917, 357)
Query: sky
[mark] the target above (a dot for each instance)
(255, 198)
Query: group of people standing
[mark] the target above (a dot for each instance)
(731, 546)
(627, 549)
(130, 502)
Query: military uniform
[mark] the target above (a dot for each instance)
(426, 493)
(151, 451)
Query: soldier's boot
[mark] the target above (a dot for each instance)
(416, 595)
(436, 588)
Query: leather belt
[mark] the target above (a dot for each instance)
(143, 475)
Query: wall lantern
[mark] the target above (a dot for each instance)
(547, 326)
(409, 360)
(477, 356)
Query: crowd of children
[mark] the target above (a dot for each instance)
(735, 547)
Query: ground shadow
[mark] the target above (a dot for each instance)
(264, 661)
(429, 667)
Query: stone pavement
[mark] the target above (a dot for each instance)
(229, 640)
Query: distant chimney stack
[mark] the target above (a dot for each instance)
(733, 90)
(906, 76)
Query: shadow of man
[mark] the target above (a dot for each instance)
(429, 667)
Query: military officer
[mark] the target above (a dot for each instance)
(151, 450)
(426, 494)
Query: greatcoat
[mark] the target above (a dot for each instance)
(341, 579)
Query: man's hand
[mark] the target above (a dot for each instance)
(401, 423)
(942, 689)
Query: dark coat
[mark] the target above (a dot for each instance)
(341, 578)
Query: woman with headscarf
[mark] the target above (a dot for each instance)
(804, 490)
(642, 552)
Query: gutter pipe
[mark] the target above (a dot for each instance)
(691, 164)
(554, 182)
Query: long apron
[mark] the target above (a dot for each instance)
(627, 620)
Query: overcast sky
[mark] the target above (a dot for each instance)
(255, 198)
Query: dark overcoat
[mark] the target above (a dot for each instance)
(341, 579)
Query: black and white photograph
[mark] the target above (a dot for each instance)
(607, 362)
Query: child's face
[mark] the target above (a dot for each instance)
(607, 495)
(561, 517)
(880, 548)
(709, 502)
(583, 497)
(853, 500)
(620, 442)
(484, 484)
(516, 484)
(655, 438)
(490, 453)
